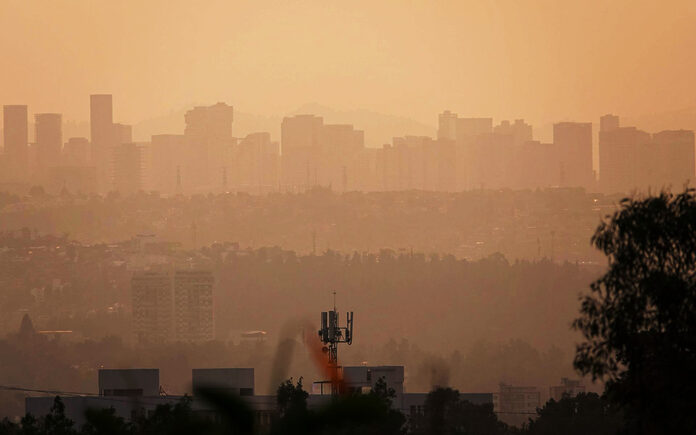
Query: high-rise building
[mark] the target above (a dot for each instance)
(102, 137)
(153, 303)
(472, 148)
(255, 164)
(300, 139)
(568, 388)
(318, 154)
(514, 404)
(16, 140)
(675, 149)
(209, 142)
(49, 141)
(76, 152)
(128, 168)
(173, 305)
(520, 131)
(123, 133)
(447, 125)
(627, 158)
(573, 141)
(608, 122)
(193, 305)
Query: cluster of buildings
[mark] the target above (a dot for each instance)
(135, 392)
(468, 153)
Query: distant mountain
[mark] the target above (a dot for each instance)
(683, 119)
(379, 128)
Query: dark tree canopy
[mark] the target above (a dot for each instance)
(580, 415)
(639, 320)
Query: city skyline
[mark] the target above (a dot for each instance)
(466, 153)
(472, 57)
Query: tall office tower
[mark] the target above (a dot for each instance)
(173, 305)
(608, 122)
(16, 137)
(339, 145)
(167, 158)
(256, 164)
(471, 136)
(626, 158)
(447, 125)
(209, 141)
(123, 133)
(471, 127)
(102, 136)
(300, 141)
(49, 142)
(153, 306)
(318, 154)
(128, 168)
(76, 152)
(193, 305)
(675, 166)
(573, 141)
(520, 131)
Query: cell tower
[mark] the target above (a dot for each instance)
(331, 334)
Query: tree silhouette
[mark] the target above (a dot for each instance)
(639, 320)
(446, 413)
(583, 414)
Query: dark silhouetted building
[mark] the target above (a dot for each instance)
(49, 142)
(675, 149)
(318, 154)
(76, 152)
(209, 144)
(573, 141)
(256, 164)
(102, 137)
(568, 388)
(16, 140)
(626, 157)
(173, 305)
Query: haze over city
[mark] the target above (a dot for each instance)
(347, 217)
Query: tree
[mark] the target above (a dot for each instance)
(580, 415)
(445, 413)
(639, 319)
(55, 422)
(291, 400)
(104, 421)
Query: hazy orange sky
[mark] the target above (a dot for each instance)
(542, 60)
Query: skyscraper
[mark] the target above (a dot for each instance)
(16, 136)
(573, 141)
(193, 305)
(300, 139)
(675, 149)
(49, 141)
(76, 152)
(174, 305)
(626, 157)
(314, 153)
(209, 140)
(102, 136)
